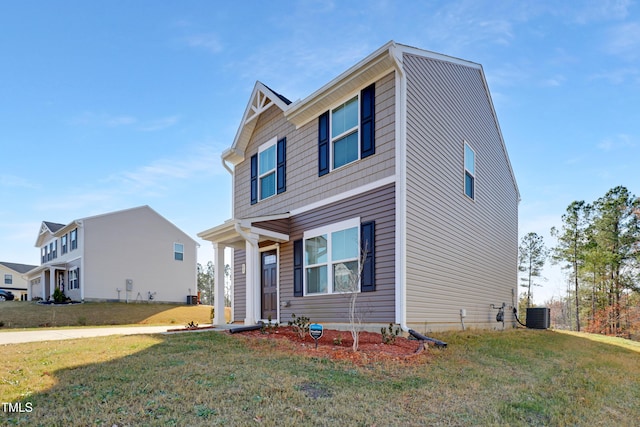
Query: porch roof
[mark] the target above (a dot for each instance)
(232, 232)
(39, 269)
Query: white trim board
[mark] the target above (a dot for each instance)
(346, 195)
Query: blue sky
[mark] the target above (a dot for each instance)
(115, 104)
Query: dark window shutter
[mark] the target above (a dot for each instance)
(323, 144)
(367, 121)
(297, 268)
(368, 245)
(282, 165)
(254, 179)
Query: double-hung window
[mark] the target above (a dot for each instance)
(267, 169)
(346, 133)
(469, 171)
(178, 251)
(8, 279)
(74, 278)
(74, 238)
(345, 146)
(332, 258)
(63, 244)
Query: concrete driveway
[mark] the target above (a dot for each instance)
(68, 334)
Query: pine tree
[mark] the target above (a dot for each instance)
(532, 257)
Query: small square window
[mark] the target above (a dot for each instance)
(178, 251)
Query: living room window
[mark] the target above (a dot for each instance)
(74, 278)
(331, 258)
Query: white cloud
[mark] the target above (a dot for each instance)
(624, 41)
(89, 118)
(616, 142)
(8, 181)
(209, 42)
(159, 124)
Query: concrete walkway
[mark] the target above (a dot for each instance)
(69, 334)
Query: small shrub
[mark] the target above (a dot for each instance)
(192, 325)
(82, 321)
(59, 296)
(269, 327)
(337, 340)
(300, 325)
(390, 334)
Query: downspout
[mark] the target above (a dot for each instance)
(401, 205)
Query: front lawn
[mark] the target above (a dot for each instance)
(520, 377)
(23, 314)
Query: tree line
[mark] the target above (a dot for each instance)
(598, 245)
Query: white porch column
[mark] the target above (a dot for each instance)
(252, 280)
(52, 281)
(218, 285)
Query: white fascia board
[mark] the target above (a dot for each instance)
(364, 72)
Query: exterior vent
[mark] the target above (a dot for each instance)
(538, 318)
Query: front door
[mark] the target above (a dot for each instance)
(269, 285)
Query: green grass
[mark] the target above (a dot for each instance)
(515, 378)
(22, 314)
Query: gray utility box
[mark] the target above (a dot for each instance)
(539, 318)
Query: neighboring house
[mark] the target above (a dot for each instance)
(12, 278)
(401, 155)
(129, 255)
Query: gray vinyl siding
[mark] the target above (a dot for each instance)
(303, 184)
(239, 286)
(461, 253)
(378, 306)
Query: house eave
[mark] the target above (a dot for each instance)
(379, 63)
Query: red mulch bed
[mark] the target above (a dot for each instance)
(370, 349)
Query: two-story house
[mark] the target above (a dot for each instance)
(12, 276)
(128, 255)
(394, 172)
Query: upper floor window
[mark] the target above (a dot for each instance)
(344, 134)
(63, 244)
(73, 236)
(469, 171)
(268, 170)
(8, 279)
(347, 132)
(43, 251)
(178, 251)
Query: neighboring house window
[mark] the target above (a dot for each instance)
(54, 246)
(74, 278)
(346, 133)
(63, 244)
(332, 258)
(268, 170)
(469, 171)
(43, 251)
(8, 279)
(74, 238)
(178, 251)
